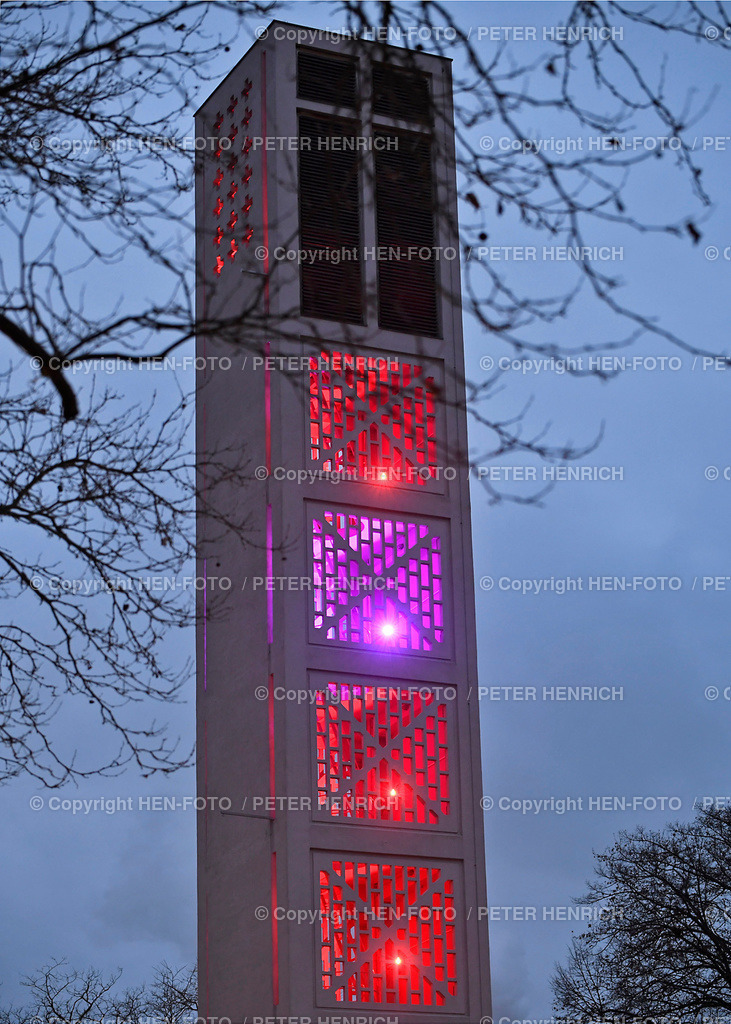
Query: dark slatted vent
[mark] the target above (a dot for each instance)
(407, 283)
(401, 94)
(330, 274)
(325, 79)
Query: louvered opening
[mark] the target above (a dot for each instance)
(330, 273)
(400, 93)
(326, 79)
(407, 279)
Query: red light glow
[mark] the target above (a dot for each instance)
(382, 754)
(387, 933)
(373, 418)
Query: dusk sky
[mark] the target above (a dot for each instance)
(650, 730)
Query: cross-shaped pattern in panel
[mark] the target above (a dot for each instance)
(388, 932)
(373, 418)
(382, 755)
(378, 580)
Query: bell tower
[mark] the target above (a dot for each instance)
(341, 851)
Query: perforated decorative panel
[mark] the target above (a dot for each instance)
(378, 581)
(231, 197)
(385, 754)
(389, 932)
(373, 418)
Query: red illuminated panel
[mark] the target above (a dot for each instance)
(231, 200)
(383, 754)
(378, 581)
(388, 932)
(372, 418)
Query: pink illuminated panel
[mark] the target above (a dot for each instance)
(378, 580)
(388, 932)
(382, 754)
(373, 418)
(231, 194)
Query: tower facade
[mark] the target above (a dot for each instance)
(341, 852)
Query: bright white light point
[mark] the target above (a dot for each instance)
(388, 629)
(393, 792)
(398, 959)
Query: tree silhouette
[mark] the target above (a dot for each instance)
(96, 171)
(60, 994)
(661, 945)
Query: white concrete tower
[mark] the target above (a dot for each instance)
(337, 676)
